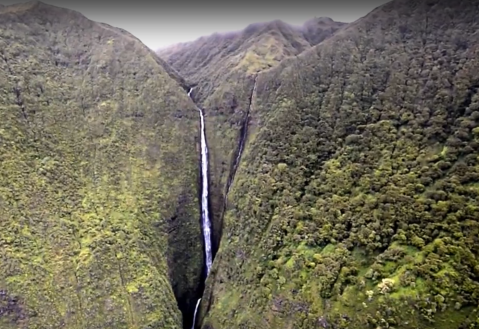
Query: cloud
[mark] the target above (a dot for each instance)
(159, 24)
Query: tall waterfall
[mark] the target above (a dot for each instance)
(205, 216)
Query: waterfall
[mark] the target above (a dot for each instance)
(204, 200)
(244, 133)
(205, 216)
(194, 316)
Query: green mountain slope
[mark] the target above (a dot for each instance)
(258, 46)
(222, 67)
(99, 210)
(356, 204)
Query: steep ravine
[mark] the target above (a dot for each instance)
(243, 135)
(206, 300)
(237, 158)
(192, 319)
(205, 213)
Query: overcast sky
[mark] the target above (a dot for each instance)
(159, 24)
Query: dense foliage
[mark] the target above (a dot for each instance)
(99, 217)
(222, 67)
(356, 204)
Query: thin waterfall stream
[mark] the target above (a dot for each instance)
(244, 133)
(205, 216)
(194, 316)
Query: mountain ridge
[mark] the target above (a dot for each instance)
(354, 203)
(335, 217)
(94, 232)
(222, 69)
(253, 30)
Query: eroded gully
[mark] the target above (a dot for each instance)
(205, 216)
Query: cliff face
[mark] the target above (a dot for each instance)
(99, 210)
(355, 204)
(356, 201)
(223, 67)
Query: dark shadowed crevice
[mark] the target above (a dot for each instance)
(187, 265)
(187, 300)
(237, 158)
(242, 141)
(207, 299)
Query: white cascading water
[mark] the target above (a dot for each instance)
(194, 316)
(205, 216)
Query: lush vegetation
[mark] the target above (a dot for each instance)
(356, 204)
(222, 67)
(99, 216)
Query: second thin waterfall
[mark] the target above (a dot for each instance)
(205, 216)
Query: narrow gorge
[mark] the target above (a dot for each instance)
(205, 216)
(205, 204)
(242, 139)
(322, 176)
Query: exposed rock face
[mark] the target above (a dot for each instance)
(99, 210)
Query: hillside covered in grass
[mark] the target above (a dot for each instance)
(223, 67)
(356, 203)
(99, 210)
